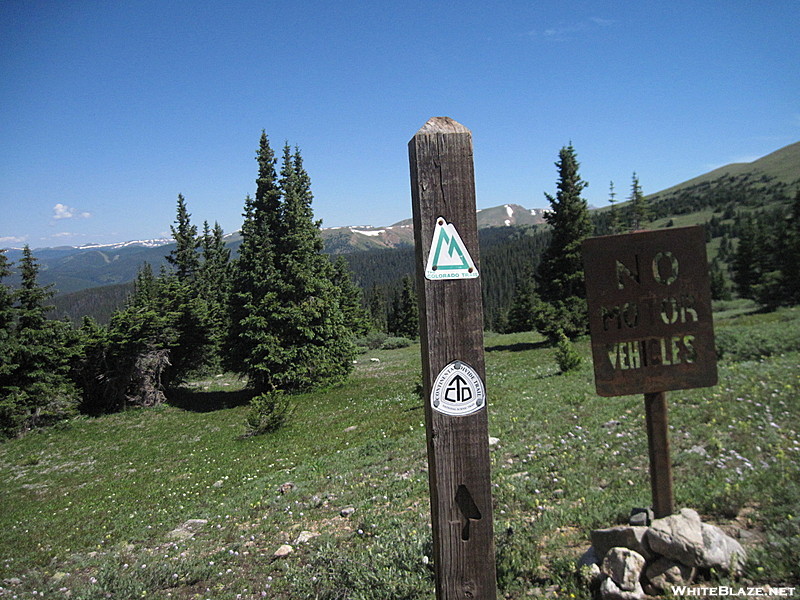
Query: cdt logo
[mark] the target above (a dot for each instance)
(458, 390)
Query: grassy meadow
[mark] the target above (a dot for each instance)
(98, 508)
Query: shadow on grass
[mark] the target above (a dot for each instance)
(520, 347)
(201, 401)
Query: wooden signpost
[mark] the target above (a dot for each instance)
(451, 330)
(651, 325)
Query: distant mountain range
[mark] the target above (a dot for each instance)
(74, 268)
(343, 240)
(70, 269)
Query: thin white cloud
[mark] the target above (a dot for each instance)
(62, 211)
(563, 32)
(12, 239)
(567, 31)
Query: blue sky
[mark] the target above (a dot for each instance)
(108, 110)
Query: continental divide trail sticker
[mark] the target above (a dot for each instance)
(448, 257)
(458, 390)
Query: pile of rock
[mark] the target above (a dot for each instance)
(628, 562)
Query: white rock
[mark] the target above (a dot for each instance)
(305, 536)
(632, 537)
(611, 591)
(664, 573)
(283, 551)
(679, 537)
(624, 566)
(720, 551)
(187, 529)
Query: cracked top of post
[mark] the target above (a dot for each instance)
(442, 125)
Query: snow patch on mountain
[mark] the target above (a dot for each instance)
(116, 245)
(374, 233)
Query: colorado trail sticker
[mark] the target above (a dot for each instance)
(448, 257)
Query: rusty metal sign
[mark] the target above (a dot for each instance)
(650, 315)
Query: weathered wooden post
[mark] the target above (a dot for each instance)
(652, 329)
(657, 424)
(451, 330)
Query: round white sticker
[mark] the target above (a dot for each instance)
(458, 390)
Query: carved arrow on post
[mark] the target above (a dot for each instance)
(468, 509)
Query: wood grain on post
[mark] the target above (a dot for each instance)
(451, 329)
(655, 410)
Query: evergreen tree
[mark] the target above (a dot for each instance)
(350, 299)
(790, 263)
(560, 276)
(745, 259)
(181, 300)
(6, 299)
(254, 283)
(214, 286)
(145, 287)
(615, 225)
(187, 328)
(91, 369)
(137, 348)
(35, 387)
(316, 344)
(640, 213)
(31, 298)
(8, 353)
(523, 306)
(288, 330)
(378, 310)
(771, 238)
(404, 317)
(719, 286)
(184, 256)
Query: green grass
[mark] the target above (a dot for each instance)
(90, 508)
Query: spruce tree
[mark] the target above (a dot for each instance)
(138, 344)
(181, 300)
(640, 212)
(719, 286)
(6, 299)
(31, 298)
(36, 389)
(316, 343)
(253, 302)
(404, 317)
(523, 305)
(745, 261)
(790, 258)
(378, 310)
(184, 256)
(288, 330)
(615, 226)
(8, 353)
(214, 286)
(560, 275)
(350, 299)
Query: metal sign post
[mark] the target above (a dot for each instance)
(451, 331)
(652, 330)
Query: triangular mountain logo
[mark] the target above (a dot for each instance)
(448, 257)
